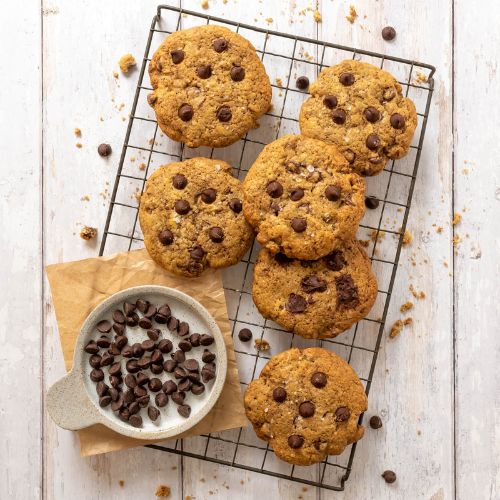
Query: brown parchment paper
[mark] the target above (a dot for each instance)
(78, 287)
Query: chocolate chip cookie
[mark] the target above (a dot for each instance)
(315, 299)
(210, 87)
(306, 404)
(361, 109)
(302, 198)
(191, 217)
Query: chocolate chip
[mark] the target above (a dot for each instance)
(332, 193)
(349, 155)
(302, 82)
(121, 341)
(169, 387)
(155, 384)
(347, 291)
(183, 329)
(295, 441)
(237, 73)
(166, 237)
(104, 326)
(334, 261)
(96, 375)
(142, 305)
(224, 114)
(194, 339)
(118, 404)
(373, 142)
(104, 401)
(144, 362)
(282, 259)
(107, 359)
(161, 400)
(204, 71)
(173, 324)
(220, 45)
(342, 414)
(134, 408)
(164, 310)
(115, 382)
(132, 366)
(194, 376)
(113, 348)
(235, 205)
(208, 195)
(104, 150)
(91, 348)
(114, 393)
(330, 101)
(307, 409)
(143, 401)
(375, 422)
(296, 194)
(156, 368)
(296, 304)
(208, 356)
(148, 345)
(207, 372)
(177, 56)
(157, 357)
(145, 323)
(185, 345)
(191, 364)
(185, 112)
(151, 311)
(153, 334)
(346, 79)
(275, 208)
(279, 394)
(371, 202)
(185, 384)
(152, 98)
(299, 224)
(184, 410)
(319, 379)
(274, 189)
(178, 356)
(197, 389)
(128, 308)
(179, 181)
(182, 207)
(135, 420)
(139, 391)
(124, 414)
(339, 116)
(95, 361)
(118, 316)
(397, 121)
(371, 114)
(142, 379)
(178, 397)
(388, 33)
(311, 284)
(153, 413)
(206, 340)
(103, 341)
(165, 346)
(389, 476)
(169, 365)
(216, 234)
(101, 388)
(119, 328)
(115, 369)
(137, 350)
(197, 253)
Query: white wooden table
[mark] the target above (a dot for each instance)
(436, 386)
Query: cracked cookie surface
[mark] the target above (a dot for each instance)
(315, 299)
(191, 217)
(302, 198)
(306, 404)
(210, 87)
(360, 108)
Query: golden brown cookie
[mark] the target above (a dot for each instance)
(302, 198)
(210, 87)
(360, 108)
(306, 404)
(191, 217)
(315, 299)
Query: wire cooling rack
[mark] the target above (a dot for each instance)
(145, 148)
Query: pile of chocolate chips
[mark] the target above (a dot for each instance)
(132, 370)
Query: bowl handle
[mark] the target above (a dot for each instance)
(69, 405)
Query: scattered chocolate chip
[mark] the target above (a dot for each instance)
(119, 329)
(389, 476)
(319, 379)
(148, 345)
(296, 194)
(95, 361)
(208, 356)
(151, 311)
(311, 284)
(185, 385)
(274, 189)
(104, 150)
(155, 384)
(177, 56)
(165, 346)
(169, 365)
(139, 391)
(207, 372)
(204, 71)
(183, 328)
(216, 234)
(307, 409)
(295, 441)
(96, 375)
(134, 408)
(197, 388)
(347, 291)
(371, 202)
(208, 195)
(121, 341)
(332, 193)
(237, 73)
(135, 420)
(115, 369)
(157, 357)
(143, 401)
(169, 387)
(153, 413)
(342, 414)
(299, 224)
(107, 359)
(330, 101)
(101, 388)
(388, 33)
(302, 82)
(178, 356)
(245, 335)
(224, 114)
(235, 205)
(161, 400)
(114, 393)
(124, 414)
(145, 323)
(173, 324)
(397, 121)
(142, 305)
(185, 112)
(142, 379)
(118, 404)
(104, 326)
(114, 350)
(103, 341)
(194, 339)
(194, 376)
(182, 207)
(371, 114)
(339, 116)
(184, 410)
(166, 237)
(132, 366)
(118, 316)
(153, 334)
(128, 308)
(178, 397)
(279, 394)
(197, 253)
(156, 368)
(206, 340)
(185, 345)
(191, 364)
(375, 422)
(296, 304)
(115, 382)
(104, 401)
(132, 320)
(179, 181)
(144, 362)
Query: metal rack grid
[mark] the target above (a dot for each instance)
(287, 55)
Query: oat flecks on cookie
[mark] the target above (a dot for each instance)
(315, 299)
(306, 404)
(210, 87)
(361, 109)
(191, 217)
(302, 198)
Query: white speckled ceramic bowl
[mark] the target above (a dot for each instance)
(73, 403)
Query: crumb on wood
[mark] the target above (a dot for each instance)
(204, 4)
(279, 82)
(78, 145)
(456, 240)
(407, 237)
(187, 497)
(202, 479)
(142, 166)
(406, 306)
(174, 467)
(417, 294)
(421, 77)
(364, 243)
(317, 16)
(132, 159)
(85, 198)
(352, 14)
(262, 345)
(88, 233)
(163, 491)
(377, 235)
(439, 230)
(408, 321)
(457, 217)
(116, 75)
(269, 20)
(126, 63)
(78, 132)
(121, 482)
(242, 482)
(465, 171)
(398, 326)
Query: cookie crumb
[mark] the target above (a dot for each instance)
(142, 166)
(279, 82)
(408, 321)
(126, 63)
(78, 132)
(78, 145)
(262, 345)
(406, 306)
(457, 217)
(407, 238)
(121, 482)
(174, 467)
(456, 240)
(439, 230)
(85, 198)
(187, 497)
(132, 159)
(204, 4)
(162, 491)
(269, 20)
(352, 14)
(88, 233)
(421, 77)
(317, 16)
(418, 295)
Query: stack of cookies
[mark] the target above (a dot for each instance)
(304, 197)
